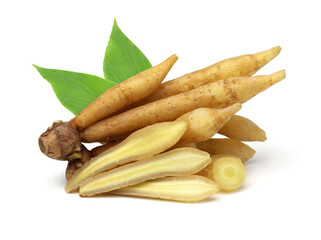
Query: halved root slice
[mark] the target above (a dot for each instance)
(184, 189)
(141, 144)
(178, 162)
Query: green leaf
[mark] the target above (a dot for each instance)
(75, 90)
(122, 58)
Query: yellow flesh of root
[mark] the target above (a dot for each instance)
(141, 144)
(178, 162)
(227, 170)
(185, 189)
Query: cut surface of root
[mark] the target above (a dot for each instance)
(227, 170)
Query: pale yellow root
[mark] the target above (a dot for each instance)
(227, 170)
(102, 148)
(245, 65)
(181, 145)
(184, 189)
(141, 144)
(219, 94)
(177, 162)
(203, 123)
(243, 129)
(227, 146)
(124, 94)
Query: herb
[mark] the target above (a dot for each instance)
(76, 90)
(122, 58)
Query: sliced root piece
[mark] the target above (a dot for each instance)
(184, 189)
(177, 162)
(141, 144)
(227, 170)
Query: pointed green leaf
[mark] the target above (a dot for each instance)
(122, 58)
(75, 90)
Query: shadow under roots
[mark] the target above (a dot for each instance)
(59, 180)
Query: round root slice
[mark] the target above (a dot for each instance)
(227, 170)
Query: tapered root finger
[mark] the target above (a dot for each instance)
(227, 146)
(219, 94)
(242, 129)
(241, 66)
(203, 123)
(124, 94)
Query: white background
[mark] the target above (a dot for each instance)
(281, 195)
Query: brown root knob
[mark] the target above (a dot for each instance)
(60, 140)
(73, 165)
